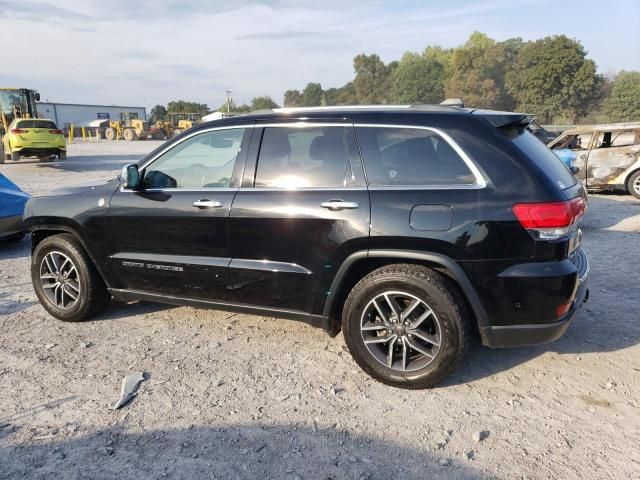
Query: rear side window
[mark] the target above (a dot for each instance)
(36, 124)
(305, 157)
(544, 158)
(411, 156)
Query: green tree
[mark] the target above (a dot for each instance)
(476, 74)
(417, 79)
(345, 95)
(292, 98)
(553, 79)
(182, 106)
(158, 113)
(312, 95)
(371, 79)
(263, 103)
(623, 102)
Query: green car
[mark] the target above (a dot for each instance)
(33, 137)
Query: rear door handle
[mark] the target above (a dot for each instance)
(204, 203)
(339, 205)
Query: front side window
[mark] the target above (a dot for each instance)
(410, 156)
(619, 138)
(305, 157)
(205, 160)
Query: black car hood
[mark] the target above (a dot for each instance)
(78, 189)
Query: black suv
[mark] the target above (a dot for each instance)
(408, 228)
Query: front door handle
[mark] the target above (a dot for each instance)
(204, 203)
(335, 205)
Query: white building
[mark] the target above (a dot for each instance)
(65, 114)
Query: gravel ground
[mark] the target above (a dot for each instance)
(241, 396)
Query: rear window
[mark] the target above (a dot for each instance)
(410, 156)
(544, 158)
(37, 124)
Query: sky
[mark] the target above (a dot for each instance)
(145, 52)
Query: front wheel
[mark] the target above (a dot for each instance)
(65, 281)
(633, 184)
(405, 326)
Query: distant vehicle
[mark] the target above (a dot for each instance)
(408, 228)
(16, 103)
(607, 157)
(12, 202)
(131, 128)
(33, 137)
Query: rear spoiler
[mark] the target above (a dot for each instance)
(505, 119)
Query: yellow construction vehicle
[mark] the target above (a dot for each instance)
(16, 103)
(183, 121)
(130, 127)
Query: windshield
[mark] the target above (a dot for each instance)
(11, 98)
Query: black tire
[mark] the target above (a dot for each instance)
(437, 292)
(633, 184)
(15, 156)
(4, 157)
(62, 155)
(93, 297)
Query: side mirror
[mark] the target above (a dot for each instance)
(574, 170)
(130, 176)
(37, 97)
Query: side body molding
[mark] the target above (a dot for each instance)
(458, 274)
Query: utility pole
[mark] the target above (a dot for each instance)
(228, 92)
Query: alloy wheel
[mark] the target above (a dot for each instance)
(60, 280)
(401, 331)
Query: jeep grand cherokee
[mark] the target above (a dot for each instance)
(409, 228)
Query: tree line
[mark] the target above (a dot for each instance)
(551, 77)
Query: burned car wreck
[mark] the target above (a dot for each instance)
(605, 157)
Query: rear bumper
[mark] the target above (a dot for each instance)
(11, 226)
(504, 336)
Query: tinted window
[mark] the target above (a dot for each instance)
(304, 157)
(36, 124)
(202, 161)
(538, 153)
(410, 156)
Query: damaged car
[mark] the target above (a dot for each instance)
(604, 157)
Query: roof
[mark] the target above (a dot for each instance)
(609, 127)
(498, 119)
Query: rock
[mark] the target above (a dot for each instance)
(470, 455)
(444, 462)
(351, 458)
(85, 344)
(106, 450)
(480, 435)
(49, 346)
(441, 444)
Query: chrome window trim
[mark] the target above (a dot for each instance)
(481, 181)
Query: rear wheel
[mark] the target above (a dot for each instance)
(65, 281)
(633, 184)
(129, 134)
(62, 155)
(110, 133)
(15, 156)
(404, 325)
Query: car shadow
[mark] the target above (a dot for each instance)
(235, 451)
(12, 250)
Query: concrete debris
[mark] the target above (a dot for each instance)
(129, 388)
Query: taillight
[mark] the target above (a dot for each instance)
(550, 220)
(56, 132)
(19, 130)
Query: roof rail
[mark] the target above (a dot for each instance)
(339, 107)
